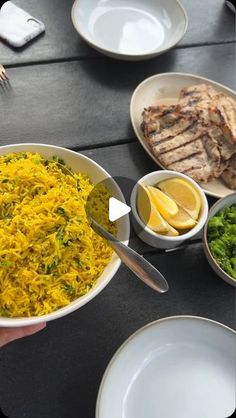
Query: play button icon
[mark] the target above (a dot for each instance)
(117, 209)
(106, 205)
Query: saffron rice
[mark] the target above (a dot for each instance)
(49, 254)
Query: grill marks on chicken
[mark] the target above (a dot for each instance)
(169, 144)
(196, 136)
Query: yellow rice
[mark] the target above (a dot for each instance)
(49, 254)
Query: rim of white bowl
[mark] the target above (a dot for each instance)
(118, 54)
(173, 74)
(139, 331)
(77, 303)
(201, 222)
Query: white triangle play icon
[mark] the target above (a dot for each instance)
(117, 209)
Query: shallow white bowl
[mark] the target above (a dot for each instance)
(177, 367)
(153, 238)
(79, 163)
(164, 89)
(130, 29)
(220, 204)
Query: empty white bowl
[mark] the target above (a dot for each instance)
(80, 163)
(175, 367)
(130, 29)
(153, 238)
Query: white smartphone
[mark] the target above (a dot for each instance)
(18, 27)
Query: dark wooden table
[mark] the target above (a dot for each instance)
(64, 93)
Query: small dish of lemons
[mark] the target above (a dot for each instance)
(168, 208)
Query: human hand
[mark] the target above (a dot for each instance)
(10, 334)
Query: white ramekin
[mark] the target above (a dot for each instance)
(153, 238)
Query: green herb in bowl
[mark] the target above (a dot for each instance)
(222, 239)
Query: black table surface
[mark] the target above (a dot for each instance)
(64, 93)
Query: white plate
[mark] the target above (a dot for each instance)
(164, 89)
(130, 29)
(178, 367)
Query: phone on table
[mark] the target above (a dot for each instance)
(17, 27)
(231, 4)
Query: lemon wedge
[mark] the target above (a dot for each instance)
(182, 220)
(171, 232)
(184, 194)
(163, 203)
(150, 215)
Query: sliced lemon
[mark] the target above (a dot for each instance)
(172, 232)
(150, 215)
(182, 220)
(163, 203)
(184, 193)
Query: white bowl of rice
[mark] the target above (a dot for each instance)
(51, 261)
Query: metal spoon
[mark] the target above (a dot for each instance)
(134, 261)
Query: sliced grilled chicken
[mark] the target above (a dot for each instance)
(202, 153)
(157, 130)
(172, 142)
(195, 136)
(229, 175)
(156, 118)
(227, 149)
(198, 98)
(178, 128)
(181, 153)
(223, 114)
(196, 94)
(196, 166)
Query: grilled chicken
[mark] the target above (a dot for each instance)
(169, 144)
(197, 93)
(200, 158)
(196, 136)
(229, 175)
(196, 99)
(155, 118)
(226, 148)
(223, 114)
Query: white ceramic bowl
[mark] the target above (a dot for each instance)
(172, 368)
(220, 204)
(130, 29)
(79, 163)
(153, 238)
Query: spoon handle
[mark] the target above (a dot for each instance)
(134, 261)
